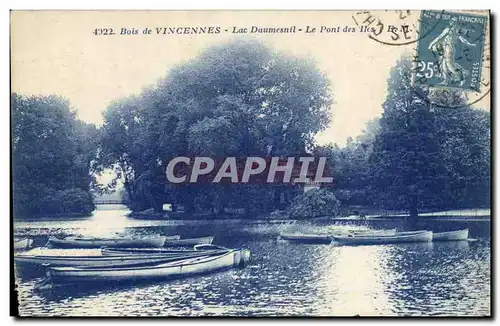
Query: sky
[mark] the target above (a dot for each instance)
(57, 53)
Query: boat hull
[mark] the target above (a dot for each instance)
(307, 238)
(368, 232)
(458, 235)
(23, 244)
(424, 236)
(188, 242)
(182, 268)
(155, 251)
(327, 238)
(73, 242)
(104, 261)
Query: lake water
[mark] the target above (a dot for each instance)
(283, 279)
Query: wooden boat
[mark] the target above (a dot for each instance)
(186, 267)
(412, 232)
(207, 246)
(306, 238)
(203, 248)
(23, 244)
(370, 232)
(108, 261)
(187, 242)
(84, 242)
(414, 236)
(327, 238)
(451, 235)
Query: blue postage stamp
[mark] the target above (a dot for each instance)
(450, 49)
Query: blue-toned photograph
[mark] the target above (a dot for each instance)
(251, 163)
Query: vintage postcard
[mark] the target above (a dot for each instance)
(251, 163)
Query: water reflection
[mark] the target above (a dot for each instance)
(449, 278)
(352, 283)
(432, 283)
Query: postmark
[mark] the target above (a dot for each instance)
(394, 27)
(451, 53)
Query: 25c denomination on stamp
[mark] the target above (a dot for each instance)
(450, 53)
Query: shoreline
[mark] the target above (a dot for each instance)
(283, 221)
(479, 215)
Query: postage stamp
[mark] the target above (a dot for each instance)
(450, 50)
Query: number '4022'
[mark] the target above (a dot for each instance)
(427, 69)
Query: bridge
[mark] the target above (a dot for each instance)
(109, 202)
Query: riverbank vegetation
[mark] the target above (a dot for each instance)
(428, 150)
(52, 153)
(239, 99)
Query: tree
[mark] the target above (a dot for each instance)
(234, 99)
(464, 138)
(424, 152)
(52, 153)
(350, 166)
(315, 202)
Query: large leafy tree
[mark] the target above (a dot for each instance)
(428, 155)
(52, 154)
(350, 166)
(235, 99)
(464, 141)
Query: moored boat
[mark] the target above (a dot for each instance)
(23, 244)
(187, 242)
(107, 261)
(451, 235)
(306, 238)
(85, 242)
(157, 251)
(186, 267)
(416, 236)
(369, 232)
(327, 238)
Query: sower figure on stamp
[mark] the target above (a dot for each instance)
(443, 46)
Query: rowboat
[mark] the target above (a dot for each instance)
(109, 261)
(411, 232)
(414, 236)
(23, 244)
(84, 242)
(187, 242)
(306, 238)
(327, 238)
(370, 232)
(204, 248)
(186, 267)
(451, 235)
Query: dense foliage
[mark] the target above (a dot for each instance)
(433, 149)
(235, 99)
(242, 99)
(428, 151)
(350, 166)
(51, 156)
(315, 203)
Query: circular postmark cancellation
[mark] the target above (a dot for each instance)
(453, 55)
(394, 27)
(452, 50)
